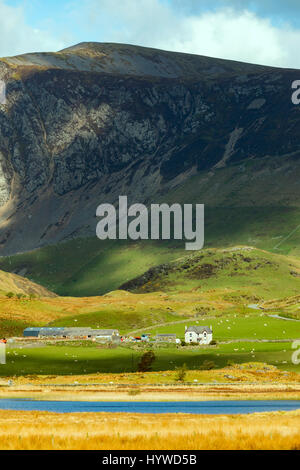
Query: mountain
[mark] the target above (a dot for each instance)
(89, 123)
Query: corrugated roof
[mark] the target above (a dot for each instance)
(105, 332)
(71, 330)
(51, 329)
(166, 334)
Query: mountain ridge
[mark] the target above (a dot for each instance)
(132, 60)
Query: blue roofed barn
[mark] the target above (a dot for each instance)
(31, 332)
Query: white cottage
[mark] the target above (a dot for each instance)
(198, 334)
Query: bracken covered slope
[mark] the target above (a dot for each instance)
(16, 284)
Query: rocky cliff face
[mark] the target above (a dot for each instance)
(96, 121)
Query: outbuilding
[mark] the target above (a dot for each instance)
(31, 332)
(73, 333)
(51, 332)
(166, 338)
(107, 336)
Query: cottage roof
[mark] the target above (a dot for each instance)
(199, 329)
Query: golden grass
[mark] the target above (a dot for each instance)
(250, 384)
(241, 374)
(98, 393)
(33, 430)
(47, 309)
(10, 282)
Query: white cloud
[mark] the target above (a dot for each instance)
(17, 37)
(232, 35)
(227, 33)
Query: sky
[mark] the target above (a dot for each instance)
(257, 31)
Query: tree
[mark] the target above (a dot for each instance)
(181, 373)
(146, 361)
(10, 295)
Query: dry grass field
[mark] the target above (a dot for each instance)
(239, 382)
(153, 394)
(123, 431)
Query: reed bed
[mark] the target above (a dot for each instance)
(143, 393)
(32, 430)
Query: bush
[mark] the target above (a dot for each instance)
(147, 359)
(230, 363)
(207, 365)
(213, 342)
(183, 343)
(134, 391)
(10, 295)
(181, 373)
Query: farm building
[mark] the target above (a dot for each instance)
(145, 337)
(31, 332)
(56, 332)
(166, 338)
(198, 334)
(107, 335)
(53, 332)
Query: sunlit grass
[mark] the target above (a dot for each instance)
(32, 430)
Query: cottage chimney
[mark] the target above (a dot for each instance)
(211, 327)
(185, 328)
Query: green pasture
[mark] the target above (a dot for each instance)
(239, 327)
(72, 360)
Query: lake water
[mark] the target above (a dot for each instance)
(196, 407)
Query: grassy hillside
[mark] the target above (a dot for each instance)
(117, 310)
(217, 287)
(288, 307)
(118, 318)
(252, 274)
(19, 300)
(89, 266)
(209, 282)
(232, 327)
(14, 284)
(244, 205)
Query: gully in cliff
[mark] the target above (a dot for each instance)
(2, 92)
(178, 222)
